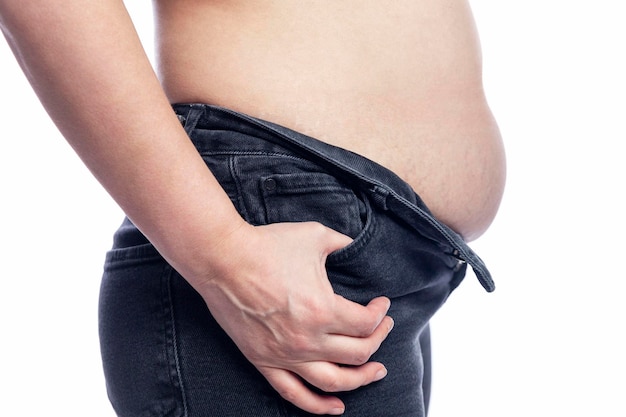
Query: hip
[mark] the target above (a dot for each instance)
(162, 351)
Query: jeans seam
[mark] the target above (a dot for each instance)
(174, 342)
(241, 203)
(368, 231)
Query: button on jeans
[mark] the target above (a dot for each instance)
(164, 354)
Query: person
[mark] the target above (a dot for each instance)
(298, 178)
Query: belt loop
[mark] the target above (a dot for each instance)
(196, 111)
(379, 196)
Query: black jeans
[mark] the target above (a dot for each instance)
(163, 353)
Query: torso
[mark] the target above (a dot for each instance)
(397, 82)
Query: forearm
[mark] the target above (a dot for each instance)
(89, 69)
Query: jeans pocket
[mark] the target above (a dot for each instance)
(310, 196)
(277, 187)
(130, 247)
(136, 329)
(322, 198)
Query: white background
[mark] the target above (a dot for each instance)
(549, 341)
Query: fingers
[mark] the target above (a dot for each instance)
(326, 376)
(348, 350)
(314, 335)
(332, 239)
(330, 377)
(353, 319)
(293, 389)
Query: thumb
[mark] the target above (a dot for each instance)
(334, 240)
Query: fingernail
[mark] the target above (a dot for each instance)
(380, 374)
(336, 411)
(391, 324)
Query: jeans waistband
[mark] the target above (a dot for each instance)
(388, 191)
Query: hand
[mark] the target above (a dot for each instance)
(273, 298)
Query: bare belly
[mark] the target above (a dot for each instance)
(397, 82)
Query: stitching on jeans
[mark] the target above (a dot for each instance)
(448, 235)
(241, 202)
(168, 283)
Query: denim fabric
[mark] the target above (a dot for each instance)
(163, 353)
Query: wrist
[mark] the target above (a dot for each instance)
(206, 256)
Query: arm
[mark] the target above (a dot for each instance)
(89, 70)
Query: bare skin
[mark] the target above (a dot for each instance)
(399, 84)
